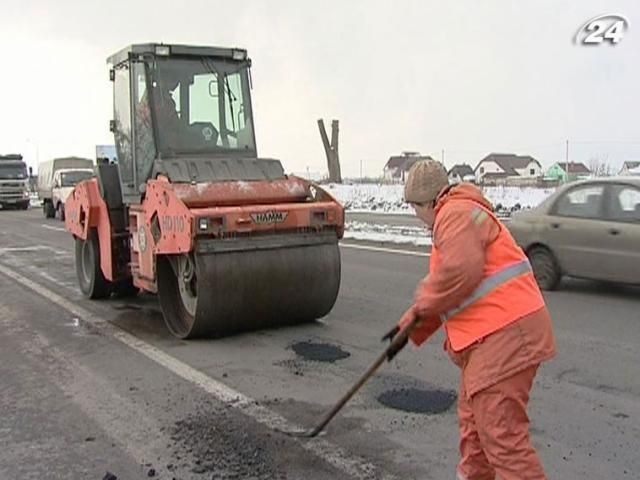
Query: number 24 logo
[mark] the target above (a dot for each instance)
(609, 27)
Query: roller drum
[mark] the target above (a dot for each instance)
(250, 283)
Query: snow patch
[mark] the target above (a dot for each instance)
(375, 198)
(387, 233)
(244, 186)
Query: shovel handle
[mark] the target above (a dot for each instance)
(399, 341)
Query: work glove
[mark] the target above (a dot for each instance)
(390, 334)
(421, 329)
(398, 343)
(405, 320)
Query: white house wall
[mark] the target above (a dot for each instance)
(388, 173)
(629, 171)
(489, 167)
(526, 172)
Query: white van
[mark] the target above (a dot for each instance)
(56, 179)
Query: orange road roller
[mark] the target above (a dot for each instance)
(226, 239)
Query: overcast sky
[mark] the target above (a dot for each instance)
(465, 77)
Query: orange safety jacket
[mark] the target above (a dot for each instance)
(507, 292)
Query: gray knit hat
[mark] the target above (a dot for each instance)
(425, 181)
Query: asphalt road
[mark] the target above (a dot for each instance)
(95, 387)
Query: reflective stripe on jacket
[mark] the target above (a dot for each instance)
(507, 292)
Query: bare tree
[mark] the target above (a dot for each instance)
(331, 150)
(599, 166)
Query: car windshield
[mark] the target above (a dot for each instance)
(71, 179)
(200, 105)
(13, 172)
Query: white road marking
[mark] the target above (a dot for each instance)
(33, 248)
(55, 280)
(334, 455)
(51, 227)
(21, 249)
(385, 250)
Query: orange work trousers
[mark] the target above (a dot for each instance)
(494, 432)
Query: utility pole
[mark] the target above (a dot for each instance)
(443, 156)
(566, 158)
(36, 145)
(361, 169)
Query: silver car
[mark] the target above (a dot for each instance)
(586, 229)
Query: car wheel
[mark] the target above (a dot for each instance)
(545, 268)
(60, 211)
(49, 211)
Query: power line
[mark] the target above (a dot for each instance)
(603, 142)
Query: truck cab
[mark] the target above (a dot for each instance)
(63, 183)
(14, 182)
(56, 180)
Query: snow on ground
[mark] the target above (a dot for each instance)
(387, 233)
(369, 197)
(510, 197)
(389, 198)
(375, 198)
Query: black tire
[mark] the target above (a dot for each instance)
(25, 205)
(90, 278)
(179, 321)
(545, 268)
(60, 211)
(48, 210)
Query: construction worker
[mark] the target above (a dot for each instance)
(481, 288)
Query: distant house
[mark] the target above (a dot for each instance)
(398, 166)
(570, 171)
(507, 168)
(461, 173)
(630, 168)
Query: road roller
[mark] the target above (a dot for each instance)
(190, 212)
